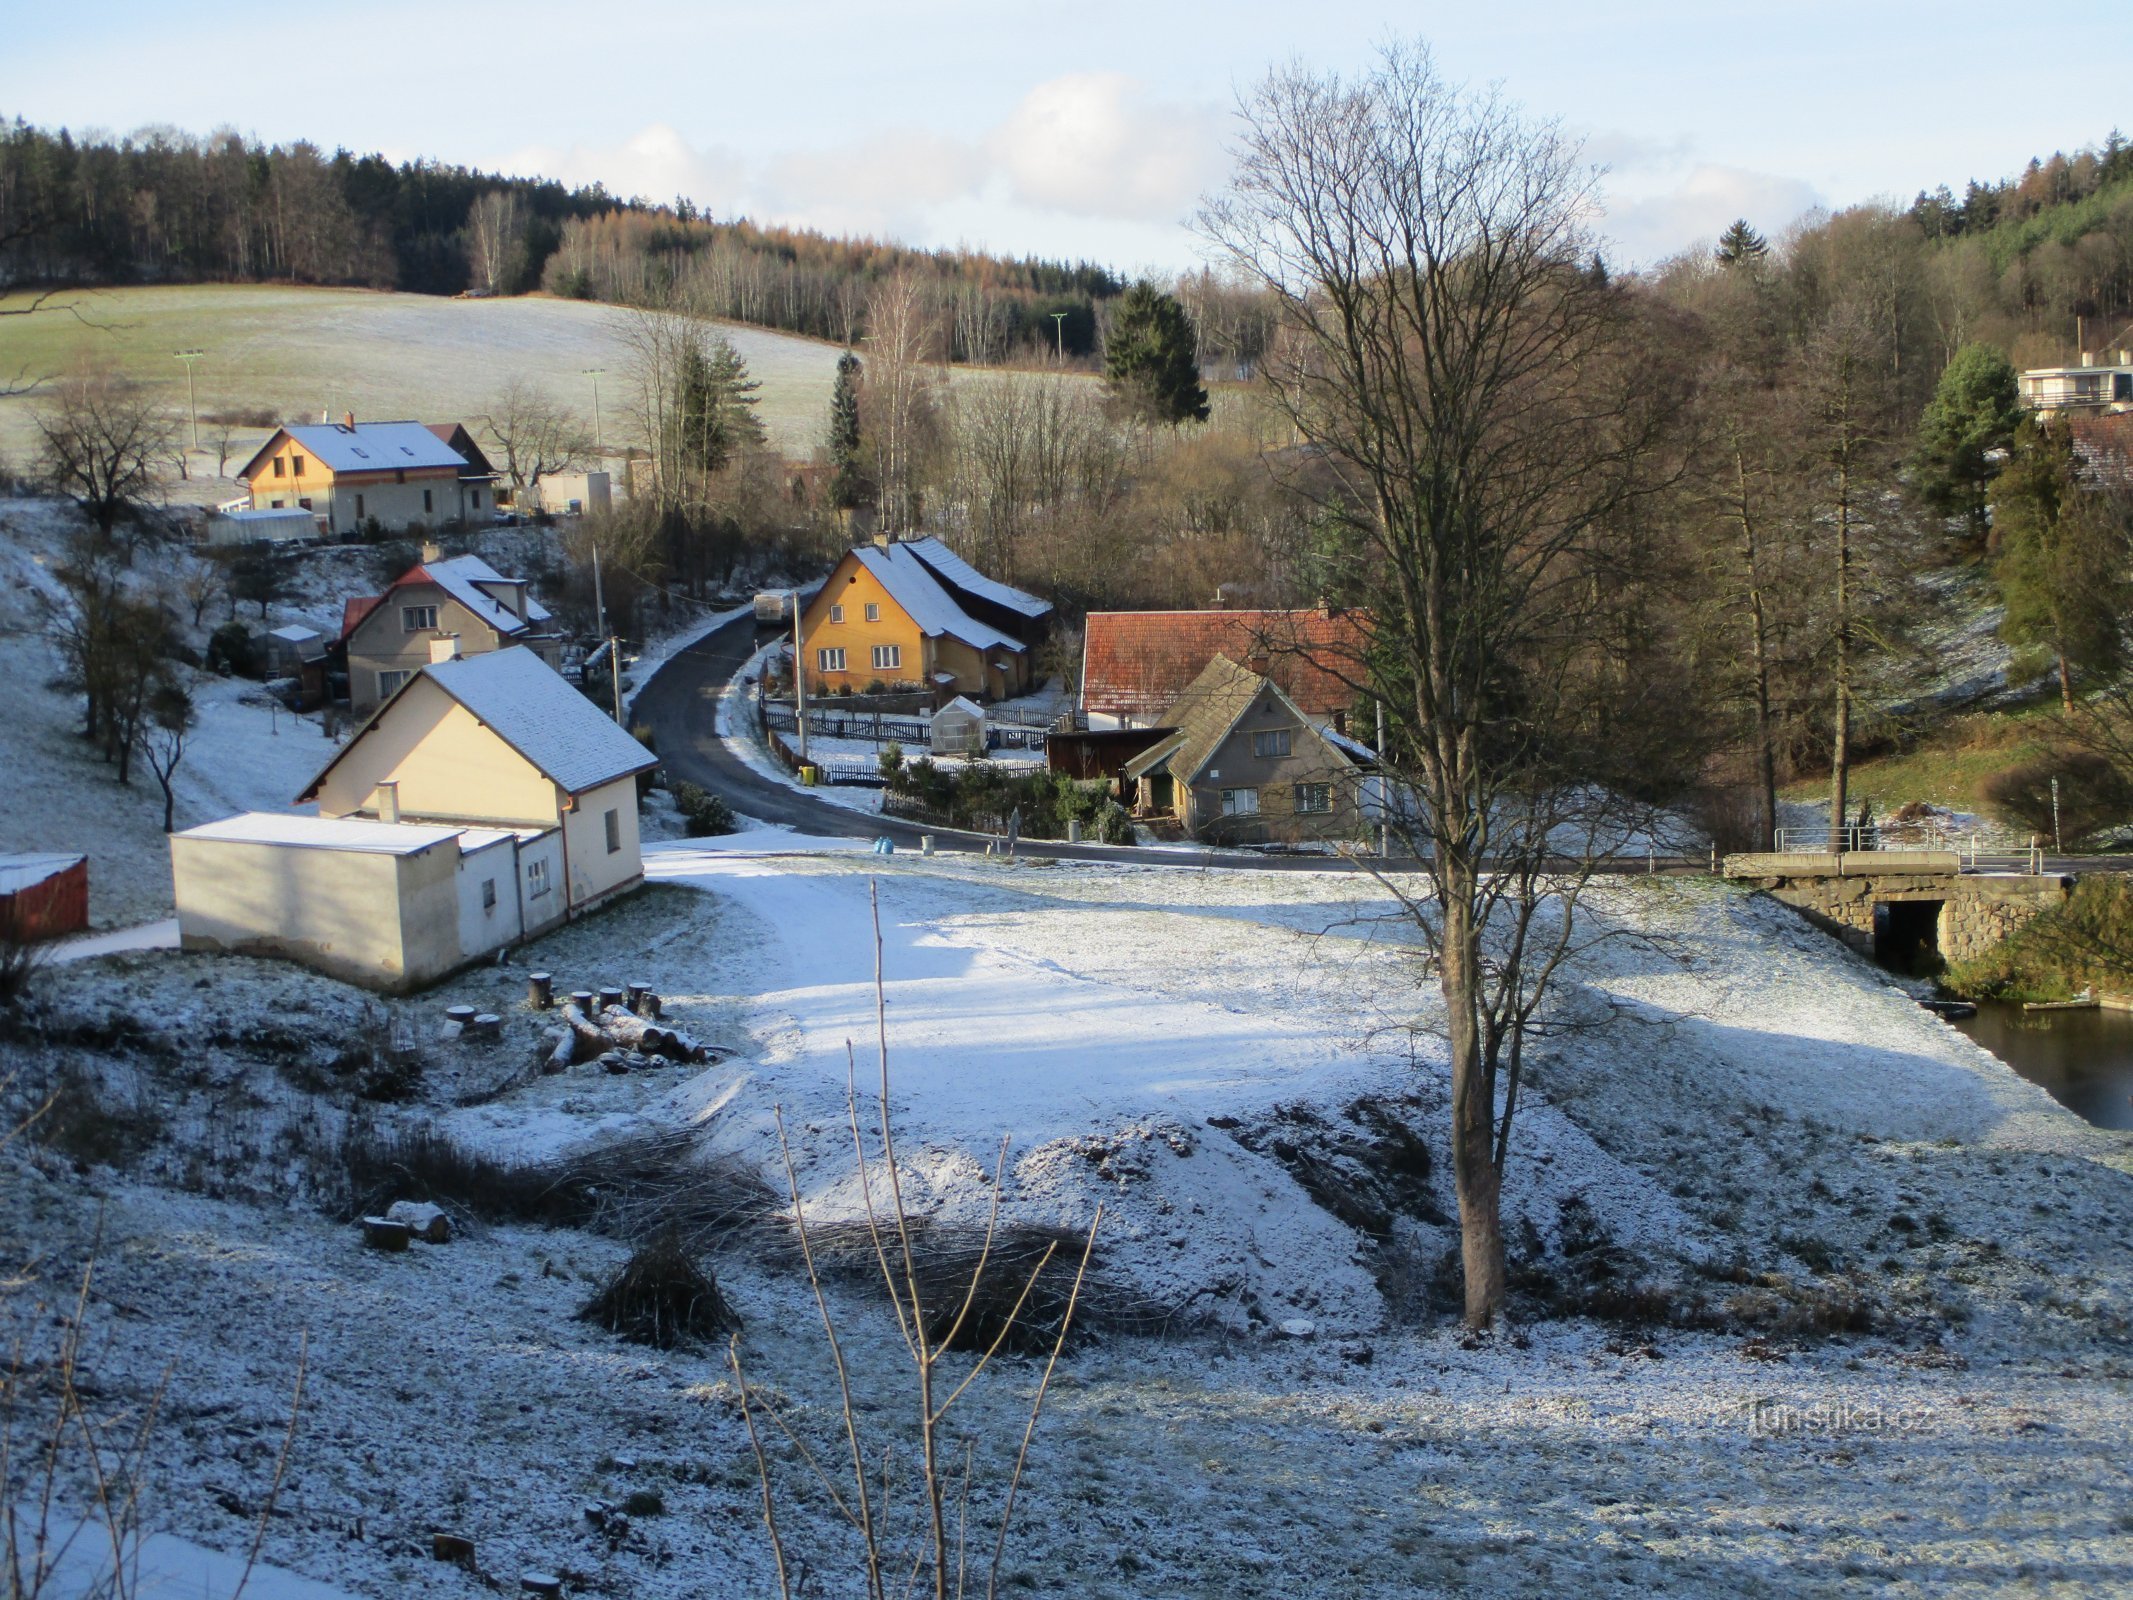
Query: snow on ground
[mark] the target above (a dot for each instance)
(1730, 1101)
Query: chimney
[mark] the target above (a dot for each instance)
(432, 550)
(2125, 358)
(348, 421)
(444, 647)
(388, 796)
(2088, 358)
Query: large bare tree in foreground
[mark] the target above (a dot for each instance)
(1484, 404)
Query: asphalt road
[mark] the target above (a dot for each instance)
(680, 701)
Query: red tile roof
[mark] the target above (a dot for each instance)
(354, 609)
(1135, 663)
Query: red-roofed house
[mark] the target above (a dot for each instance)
(389, 636)
(1134, 664)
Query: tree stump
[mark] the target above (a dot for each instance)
(383, 1233)
(459, 1014)
(540, 990)
(638, 990)
(487, 1027)
(583, 1000)
(427, 1222)
(541, 1583)
(452, 1547)
(611, 997)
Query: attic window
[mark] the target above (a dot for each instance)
(1271, 742)
(359, 450)
(405, 451)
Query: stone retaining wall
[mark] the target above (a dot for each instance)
(1977, 910)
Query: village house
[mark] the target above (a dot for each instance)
(347, 474)
(911, 614)
(1135, 664)
(1246, 765)
(389, 637)
(487, 802)
(2085, 386)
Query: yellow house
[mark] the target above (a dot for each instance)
(346, 474)
(910, 614)
(486, 802)
(390, 637)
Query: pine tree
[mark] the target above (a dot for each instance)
(1972, 416)
(1151, 358)
(2062, 566)
(848, 479)
(1741, 246)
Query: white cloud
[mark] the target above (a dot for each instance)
(1097, 144)
(1649, 227)
(656, 163)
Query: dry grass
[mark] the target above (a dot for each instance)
(662, 1297)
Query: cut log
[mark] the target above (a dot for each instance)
(383, 1233)
(452, 1547)
(635, 1031)
(583, 1000)
(610, 996)
(541, 1583)
(638, 989)
(488, 1026)
(540, 990)
(460, 1014)
(562, 1047)
(429, 1223)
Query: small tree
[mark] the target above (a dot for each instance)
(1973, 414)
(105, 443)
(169, 724)
(536, 436)
(848, 477)
(2062, 565)
(259, 580)
(1151, 357)
(1741, 246)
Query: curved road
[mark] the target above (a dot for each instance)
(680, 703)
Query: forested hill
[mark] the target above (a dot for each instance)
(163, 206)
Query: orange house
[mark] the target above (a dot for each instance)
(346, 474)
(910, 614)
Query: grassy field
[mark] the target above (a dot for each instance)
(1945, 770)
(304, 353)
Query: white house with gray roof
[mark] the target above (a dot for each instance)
(349, 474)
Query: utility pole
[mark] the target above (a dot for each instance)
(599, 444)
(1384, 791)
(799, 678)
(614, 650)
(2058, 844)
(192, 410)
(1059, 333)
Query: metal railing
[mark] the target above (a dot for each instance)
(1853, 838)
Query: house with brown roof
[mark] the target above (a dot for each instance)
(391, 636)
(1134, 664)
(348, 474)
(1247, 765)
(911, 614)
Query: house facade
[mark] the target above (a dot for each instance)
(910, 614)
(1246, 765)
(2083, 387)
(347, 474)
(1136, 664)
(391, 637)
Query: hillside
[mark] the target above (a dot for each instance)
(306, 352)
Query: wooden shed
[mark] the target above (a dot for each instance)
(43, 896)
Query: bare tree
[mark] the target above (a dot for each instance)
(493, 238)
(169, 724)
(537, 437)
(1468, 382)
(105, 441)
(905, 350)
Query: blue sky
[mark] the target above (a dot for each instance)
(1088, 131)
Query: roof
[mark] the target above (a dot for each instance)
(326, 833)
(354, 609)
(957, 573)
(1206, 713)
(1134, 663)
(962, 704)
(26, 871)
(914, 588)
(461, 442)
(375, 446)
(527, 704)
(2105, 444)
(295, 633)
(266, 514)
(462, 578)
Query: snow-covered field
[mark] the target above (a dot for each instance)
(1745, 1124)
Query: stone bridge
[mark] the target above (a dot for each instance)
(1895, 905)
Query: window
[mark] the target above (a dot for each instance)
(888, 655)
(1314, 797)
(417, 619)
(536, 879)
(614, 832)
(477, 499)
(426, 500)
(388, 682)
(276, 504)
(1270, 742)
(296, 465)
(873, 612)
(488, 894)
(305, 502)
(280, 467)
(836, 613)
(829, 660)
(1240, 802)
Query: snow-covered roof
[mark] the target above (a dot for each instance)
(912, 585)
(525, 703)
(267, 515)
(1353, 749)
(375, 446)
(960, 574)
(962, 705)
(295, 633)
(26, 871)
(464, 578)
(326, 833)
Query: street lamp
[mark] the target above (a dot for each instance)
(193, 411)
(599, 447)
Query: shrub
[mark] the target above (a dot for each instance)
(230, 649)
(2084, 943)
(704, 814)
(661, 1297)
(2093, 795)
(93, 1126)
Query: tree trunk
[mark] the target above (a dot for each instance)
(1841, 732)
(1759, 656)
(1475, 1177)
(2066, 685)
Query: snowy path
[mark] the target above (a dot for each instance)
(159, 935)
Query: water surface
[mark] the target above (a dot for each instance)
(2083, 1059)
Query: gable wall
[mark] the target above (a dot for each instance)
(447, 764)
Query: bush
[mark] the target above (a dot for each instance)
(704, 815)
(93, 1126)
(231, 649)
(2093, 796)
(2086, 943)
(661, 1298)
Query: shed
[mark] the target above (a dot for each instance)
(264, 526)
(290, 649)
(43, 896)
(958, 728)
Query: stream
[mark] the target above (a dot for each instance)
(2082, 1059)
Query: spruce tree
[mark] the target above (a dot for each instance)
(717, 408)
(1151, 358)
(1970, 419)
(2062, 563)
(848, 480)
(1741, 246)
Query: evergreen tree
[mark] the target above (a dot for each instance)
(1151, 359)
(848, 479)
(2062, 565)
(1741, 246)
(1973, 414)
(717, 405)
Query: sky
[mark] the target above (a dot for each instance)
(1088, 132)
